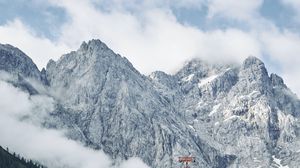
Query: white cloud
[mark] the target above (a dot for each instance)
(241, 10)
(228, 45)
(50, 147)
(153, 39)
(21, 133)
(38, 48)
(284, 49)
(292, 3)
(133, 163)
(148, 4)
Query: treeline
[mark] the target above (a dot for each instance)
(8, 160)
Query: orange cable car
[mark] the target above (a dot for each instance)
(186, 160)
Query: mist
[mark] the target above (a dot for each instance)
(20, 131)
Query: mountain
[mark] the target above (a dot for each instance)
(18, 64)
(15, 61)
(8, 160)
(119, 111)
(242, 110)
(226, 115)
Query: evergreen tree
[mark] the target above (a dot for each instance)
(8, 160)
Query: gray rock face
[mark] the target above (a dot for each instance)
(25, 73)
(119, 110)
(225, 115)
(14, 61)
(242, 110)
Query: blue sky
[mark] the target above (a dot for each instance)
(160, 34)
(46, 19)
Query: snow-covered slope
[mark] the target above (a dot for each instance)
(226, 115)
(240, 109)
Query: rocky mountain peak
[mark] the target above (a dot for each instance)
(94, 44)
(91, 54)
(117, 105)
(252, 61)
(253, 71)
(277, 80)
(91, 67)
(7, 47)
(158, 75)
(14, 61)
(164, 79)
(51, 63)
(201, 69)
(224, 114)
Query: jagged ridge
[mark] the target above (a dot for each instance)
(225, 115)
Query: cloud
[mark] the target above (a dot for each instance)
(153, 39)
(293, 4)
(133, 163)
(150, 36)
(240, 10)
(40, 49)
(284, 49)
(49, 147)
(21, 133)
(148, 4)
